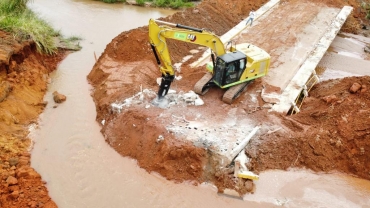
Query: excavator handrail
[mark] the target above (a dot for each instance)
(179, 25)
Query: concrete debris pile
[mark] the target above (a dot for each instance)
(147, 98)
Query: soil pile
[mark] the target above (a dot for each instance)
(306, 140)
(331, 133)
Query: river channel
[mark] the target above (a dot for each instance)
(81, 170)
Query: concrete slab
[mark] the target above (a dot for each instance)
(298, 82)
(288, 62)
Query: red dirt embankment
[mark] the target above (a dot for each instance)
(23, 83)
(331, 133)
(318, 138)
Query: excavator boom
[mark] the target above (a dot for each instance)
(157, 37)
(159, 33)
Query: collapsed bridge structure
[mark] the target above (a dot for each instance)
(295, 55)
(295, 35)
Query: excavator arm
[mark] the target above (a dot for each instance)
(157, 37)
(232, 69)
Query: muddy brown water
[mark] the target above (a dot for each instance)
(81, 170)
(345, 57)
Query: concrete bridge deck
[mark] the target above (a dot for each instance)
(296, 37)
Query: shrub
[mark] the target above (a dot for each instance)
(13, 6)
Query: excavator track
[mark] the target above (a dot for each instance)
(201, 87)
(234, 92)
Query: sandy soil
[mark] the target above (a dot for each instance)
(329, 134)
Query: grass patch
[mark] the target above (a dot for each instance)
(174, 4)
(71, 43)
(24, 24)
(140, 2)
(13, 6)
(73, 38)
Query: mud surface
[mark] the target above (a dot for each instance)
(330, 133)
(320, 138)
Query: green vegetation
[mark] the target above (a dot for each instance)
(113, 1)
(20, 21)
(366, 6)
(73, 39)
(174, 4)
(140, 2)
(72, 43)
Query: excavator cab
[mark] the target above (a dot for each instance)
(229, 68)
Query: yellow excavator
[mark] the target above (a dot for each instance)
(232, 69)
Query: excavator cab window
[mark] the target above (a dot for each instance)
(229, 68)
(219, 71)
